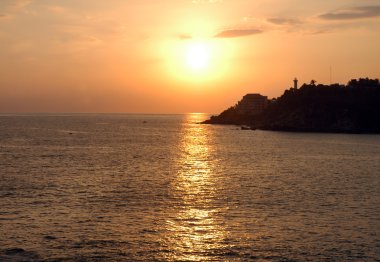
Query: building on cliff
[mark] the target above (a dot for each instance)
(252, 104)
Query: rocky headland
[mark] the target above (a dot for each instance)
(351, 108)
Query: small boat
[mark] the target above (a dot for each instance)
(247, 128)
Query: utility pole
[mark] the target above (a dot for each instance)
(330, 75)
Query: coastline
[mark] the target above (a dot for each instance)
(353, 109)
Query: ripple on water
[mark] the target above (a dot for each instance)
(18, 254)
(166, 189)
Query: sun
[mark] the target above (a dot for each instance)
(197, 60)
(198, 56)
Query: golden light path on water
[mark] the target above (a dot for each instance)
(196, 232)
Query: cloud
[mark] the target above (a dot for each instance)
(184, 36)
(238, 33)
(284, 21)
(319, 32)
(206, 1)
(56, 9)
(19, 4)
(5, 17)
(353, 13)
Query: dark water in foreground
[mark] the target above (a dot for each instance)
(140, 187)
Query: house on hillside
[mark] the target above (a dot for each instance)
(252, 104)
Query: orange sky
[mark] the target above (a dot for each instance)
(176, 56)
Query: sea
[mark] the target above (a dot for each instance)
(124, 187)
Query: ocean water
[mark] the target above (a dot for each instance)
(164, 188)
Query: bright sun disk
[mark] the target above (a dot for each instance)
(198, 56)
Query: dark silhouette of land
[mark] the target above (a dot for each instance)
(351, 108)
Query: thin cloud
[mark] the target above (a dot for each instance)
(284, 21)
(184, 36)
(319, 32)
(353, 13)
(19, 4)
(56, 9)
(4, 16)
(238, 33)
(206, 1)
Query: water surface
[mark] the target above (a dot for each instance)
(162, 187)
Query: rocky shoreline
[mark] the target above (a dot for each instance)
(351, 108)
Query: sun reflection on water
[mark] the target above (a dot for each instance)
(195, 231)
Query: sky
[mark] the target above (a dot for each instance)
(177, 56)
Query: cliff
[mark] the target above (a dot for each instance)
(351, 108)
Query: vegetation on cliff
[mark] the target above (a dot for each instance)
(351, 108)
